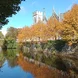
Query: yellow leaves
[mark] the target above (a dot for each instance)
(24, 34)
(36, 31)
(68, 32)
(70, 23)
(41, 31)
(71, 17)
(67, 29)
(54, 27)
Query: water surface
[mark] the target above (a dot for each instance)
(9, 67)
(14, 65)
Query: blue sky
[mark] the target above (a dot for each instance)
(24, 16)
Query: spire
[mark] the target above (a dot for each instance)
(53, 11)
(44, 16)
(54, 14)
(43, 12)
(59, 15)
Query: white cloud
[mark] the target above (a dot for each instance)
(33, 3)
(23, 10)
(4, 31)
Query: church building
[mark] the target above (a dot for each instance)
(41, 16)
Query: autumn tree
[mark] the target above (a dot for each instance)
(54, 27)
(7, 9)
(35, 32)
(70, 24)
(24, 34)
(40, 31)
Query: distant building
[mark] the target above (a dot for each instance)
(39, 16)
(59, 17)
(54, 15)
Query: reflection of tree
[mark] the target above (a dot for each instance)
(2, 60)
(38, 72)
(10, 55)
(60, 64)
(67, 64)
(71, 64)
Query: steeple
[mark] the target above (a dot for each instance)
(54, 15)
(59, 15)
(44, 16)
(53, 11)
(43, 11)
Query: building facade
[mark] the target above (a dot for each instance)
(39, 16)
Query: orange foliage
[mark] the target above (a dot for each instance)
(36, 31)
(67, 29)
(70, 23)
(40, 30)
(54, 27)
(24, 34)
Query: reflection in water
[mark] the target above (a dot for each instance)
(71, 65)
(2, 60)
(39, 72)
(10, 55)
(15, 72)
(9, 67)
(14, 65)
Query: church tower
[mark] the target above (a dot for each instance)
(37, 16)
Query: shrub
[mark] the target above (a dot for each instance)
(56, 45)
(10, 44)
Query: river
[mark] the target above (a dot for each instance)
(14, 65)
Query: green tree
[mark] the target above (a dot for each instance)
(9, 44)
(1, 35)
(7, 9)
(12, 33)
(1, 38)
